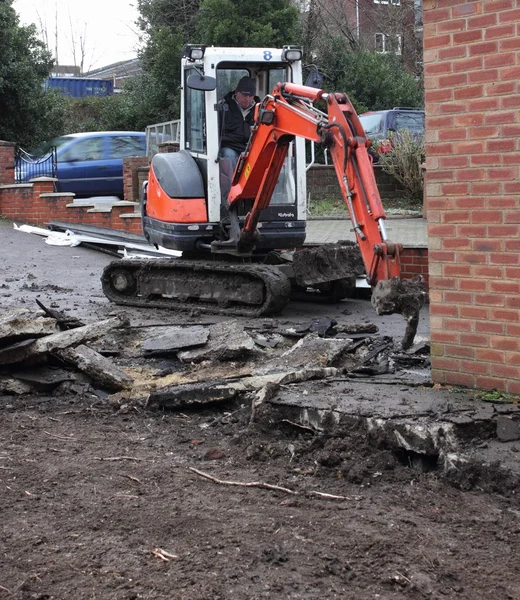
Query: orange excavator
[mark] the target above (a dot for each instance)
(242, 255)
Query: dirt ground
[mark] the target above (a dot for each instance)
(103, 501)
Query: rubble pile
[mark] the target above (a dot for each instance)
(41, 351)
(176, 366)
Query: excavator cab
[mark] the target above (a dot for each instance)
(189, 214)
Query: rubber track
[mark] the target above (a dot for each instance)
(277, 287)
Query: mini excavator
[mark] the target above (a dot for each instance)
(242, 255)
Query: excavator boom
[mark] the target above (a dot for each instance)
(287, 113)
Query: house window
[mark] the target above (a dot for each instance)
(386, 43)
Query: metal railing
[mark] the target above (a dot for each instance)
(27, 166)
(169, 131)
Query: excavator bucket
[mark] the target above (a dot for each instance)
(403, 296)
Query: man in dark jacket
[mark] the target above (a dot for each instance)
(236, 123)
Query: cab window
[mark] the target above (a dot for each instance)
(227, 80)
(195, 133)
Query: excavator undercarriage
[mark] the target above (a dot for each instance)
(218, 287)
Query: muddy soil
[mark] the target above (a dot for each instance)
(101, 501)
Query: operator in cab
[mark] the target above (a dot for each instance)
(237, 119)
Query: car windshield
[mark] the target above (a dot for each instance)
(412, 121)
(44, 147)
(371, 123)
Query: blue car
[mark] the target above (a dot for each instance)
(88, 164)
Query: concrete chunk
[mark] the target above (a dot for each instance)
(10, 386)
(21, 324)
(44, 378)
(176, 338)
(310, 352)
(97, 367)
(22, 351)
(508, 428)
(192, 395)
(227, 341)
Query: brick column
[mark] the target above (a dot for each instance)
(471, 59)
(7, 162)
(131, 164)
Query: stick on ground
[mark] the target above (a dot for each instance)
(258, 484)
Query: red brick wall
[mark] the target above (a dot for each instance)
(36, 204)
(414, 261)
(322, 184)
(472, 69)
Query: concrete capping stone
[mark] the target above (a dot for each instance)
(34, 179)
(58, 194)
(126, 203)
(16, 186)
(130, 216)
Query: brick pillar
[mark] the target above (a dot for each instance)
(471, 59)
(131, 164)
(7, 162)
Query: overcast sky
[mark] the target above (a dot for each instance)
(109, 27)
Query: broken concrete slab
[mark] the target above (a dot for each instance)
(311, 351)
(100, 369)
(205, 392)
(29, 349)
(508, 428)
(21, 324)
(436, 429)
(176, 338)
(192, 395)
(227, 341)
(43, 379)
(257, 382)
(269, 340)
(10, 386)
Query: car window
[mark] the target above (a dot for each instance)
(411, 121)
(127, 145)
(371, 123)
(89, 149)
(44, 147)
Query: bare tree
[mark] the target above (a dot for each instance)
(78, 44)
(334, 18)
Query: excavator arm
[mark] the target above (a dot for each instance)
(288, 112)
